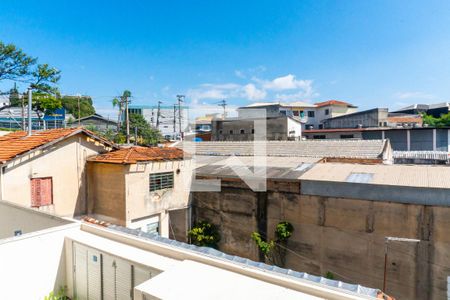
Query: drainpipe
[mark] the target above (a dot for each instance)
(29, 111)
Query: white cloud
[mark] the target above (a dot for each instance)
(414, 95)
(251, 92)
(258, 89)
(299, 96)
(287, 82)
(239, 74)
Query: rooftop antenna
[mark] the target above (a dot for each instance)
(223, 103)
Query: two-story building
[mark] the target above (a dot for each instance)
(141, 188)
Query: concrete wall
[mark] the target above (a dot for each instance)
(276, 129)
(368, 118)
(340, 235)
(14, 218)
(65, 162)
(120, 193)
(34, 265)
(106, 191)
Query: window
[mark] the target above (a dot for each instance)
(136, 111)
(220, 131)
(41, 191)
(231, 131)
(320, 126)
(160, 181)
(319, 137)
(347, 136)
(311, 114)
(327, 112)
(242, 131)
(253, 131)
(302, 113)
(295, 112)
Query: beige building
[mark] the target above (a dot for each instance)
(46, 170)
(141, 188)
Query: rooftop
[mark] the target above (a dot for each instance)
(334, 102)
(137, 154)
(362, 149)
(63, 250)
(417, 184)
(17, 143)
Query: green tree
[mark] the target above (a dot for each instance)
(204, 234)
(147, 135)
(274, 250)
(14, 63)
(70, 103)
(442, 121)
(45, 103)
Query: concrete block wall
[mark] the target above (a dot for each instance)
(343, 236)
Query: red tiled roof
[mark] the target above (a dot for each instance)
(17, 143)
(136, 154)
(406, 119)
(333, 102)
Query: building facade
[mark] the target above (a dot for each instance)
(171, 121)
(141, 188)
(46, 171)
(243, 129)
(402, 139)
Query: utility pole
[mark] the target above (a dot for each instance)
(386, 243)
(223, 103)
(180, 100)
(174, 120)
(135, 135)
(127, 118)
(79, 121)
(30, 125)
(158, 114)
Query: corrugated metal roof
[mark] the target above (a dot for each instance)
(362, 149)
(397, 175)
(328, 283)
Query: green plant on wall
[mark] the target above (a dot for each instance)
(60, 295)
(274, 250)
(204, 234)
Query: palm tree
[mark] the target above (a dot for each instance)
(118, 102)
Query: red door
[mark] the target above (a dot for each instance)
(41, 191)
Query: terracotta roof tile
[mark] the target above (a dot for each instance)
(17, 143)
(333, 102)
(136, 154)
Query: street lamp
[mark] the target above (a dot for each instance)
(386, 243)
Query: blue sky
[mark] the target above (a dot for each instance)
(370, 53)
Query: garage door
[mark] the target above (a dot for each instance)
(101, 276)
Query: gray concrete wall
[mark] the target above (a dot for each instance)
(369, 118)
(15, 219)
(276, 129)
(340, 235)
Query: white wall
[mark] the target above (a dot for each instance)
(294, 126)
(13, 218)
(65, 162)
(33, 265)
(141, 203)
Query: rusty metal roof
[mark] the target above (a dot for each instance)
(136, 154)
(17, 143)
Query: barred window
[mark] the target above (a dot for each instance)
(159, 181)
